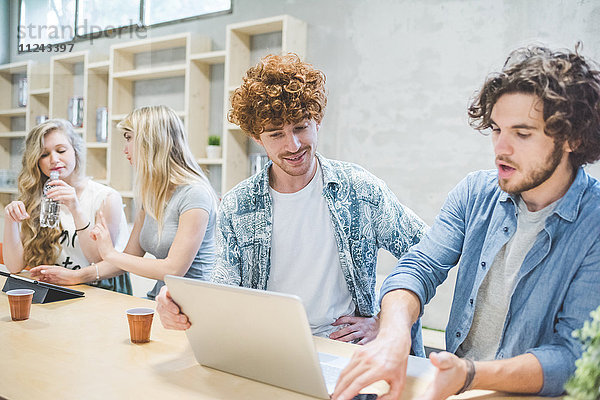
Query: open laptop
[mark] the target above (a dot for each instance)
(259, 335)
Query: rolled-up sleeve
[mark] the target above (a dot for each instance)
(558, 358)
(425, 266)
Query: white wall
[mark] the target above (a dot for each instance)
(400, 74)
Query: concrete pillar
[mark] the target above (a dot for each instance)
(4, 31)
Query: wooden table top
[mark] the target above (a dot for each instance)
(80, 349)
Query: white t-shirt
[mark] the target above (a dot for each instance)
(90, 201)
(304, 256)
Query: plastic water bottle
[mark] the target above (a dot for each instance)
(50, 209)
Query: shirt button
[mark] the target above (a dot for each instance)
(483, 264)
(457, 334)
(505, 229)
(471, 301)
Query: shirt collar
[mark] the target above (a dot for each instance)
(330, 173)
(567, 207)
(261, 185)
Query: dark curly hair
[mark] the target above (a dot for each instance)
(567, 84)
(280, 89)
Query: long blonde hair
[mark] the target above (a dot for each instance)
(162, 158)
(40, 245)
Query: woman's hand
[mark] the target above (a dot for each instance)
(15, 211)
(101, 235)
(64, 194)
(56, 275)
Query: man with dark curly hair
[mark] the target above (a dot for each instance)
(527, 236)
(304, 225)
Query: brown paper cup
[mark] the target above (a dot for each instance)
(140, 322)
(19, 301)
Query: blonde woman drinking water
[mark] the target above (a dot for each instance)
(54, 147)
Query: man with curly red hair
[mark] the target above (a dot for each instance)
(304, 225)
(527, 235)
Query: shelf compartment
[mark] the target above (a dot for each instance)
(96, 161)
(68, 78)
(72, 58)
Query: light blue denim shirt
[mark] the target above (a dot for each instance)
(364, 213)
(557, 286)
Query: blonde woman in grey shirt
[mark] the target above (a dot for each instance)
(176, 221)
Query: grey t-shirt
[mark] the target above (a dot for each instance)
(185, 197)
(493, 297)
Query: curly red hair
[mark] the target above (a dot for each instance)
(279, 90)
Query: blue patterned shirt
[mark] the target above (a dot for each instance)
(365, 214)
(556, 288)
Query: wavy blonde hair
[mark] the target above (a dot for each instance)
(162, 158)
(40, 245)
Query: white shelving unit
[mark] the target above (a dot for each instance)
(110, 82)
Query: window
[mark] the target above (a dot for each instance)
(46, 21)
(95, 16)
(57, 21)
(159, 11)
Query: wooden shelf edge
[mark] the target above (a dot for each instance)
(99, 66)
(40, 92)
(151, 44)
(13, 112)
(119, 117)
(259, 26)
(152, 73)
(13, 134)
(96, 145)
(126, 193)
(232, 127)
(209, 161)
(209, 57)
(14, 68)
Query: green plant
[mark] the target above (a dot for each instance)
(585, 382)
(214, 140)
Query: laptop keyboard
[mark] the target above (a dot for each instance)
(331, 367)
